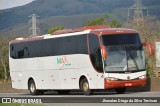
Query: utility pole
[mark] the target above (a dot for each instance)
(136, 12)
(34, 27)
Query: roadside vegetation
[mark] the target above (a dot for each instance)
(148, 29)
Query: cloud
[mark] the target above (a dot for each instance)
(4, 4)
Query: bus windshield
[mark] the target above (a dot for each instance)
(120, 39)
(125, 54)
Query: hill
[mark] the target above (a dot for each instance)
(45, 23)
(61, 11)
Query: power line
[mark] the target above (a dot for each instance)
(136, 12)
(34, 27)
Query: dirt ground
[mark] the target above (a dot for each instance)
(6, 87)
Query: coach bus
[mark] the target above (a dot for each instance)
(88, 59)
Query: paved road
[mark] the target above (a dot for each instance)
(80, 94)
(79, 97)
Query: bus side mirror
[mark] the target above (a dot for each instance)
(150, 48)
(104, 53)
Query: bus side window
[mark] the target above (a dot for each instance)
(12, 48)
(20, 54)
(95, 53)
(26, 52)
(23, 53)
(12, 52)
(98, 60)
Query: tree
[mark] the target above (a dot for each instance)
(97, 21)
(104, 20)
(115, 24)
(106, 17)
(4, 58)
(53, 29)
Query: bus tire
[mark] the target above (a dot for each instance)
(120, 90)
(84, 85)
(63, 92)
(32, 88)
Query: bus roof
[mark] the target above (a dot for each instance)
(108, 31)
(98, 30)
(80, 29)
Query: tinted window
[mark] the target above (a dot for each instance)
(75, 45)
(120, 39)
(12, 51)
(95, 52)
(50, 47)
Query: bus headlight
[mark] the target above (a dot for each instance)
(142, 77)
(112, 78)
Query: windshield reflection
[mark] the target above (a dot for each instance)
(124, 58)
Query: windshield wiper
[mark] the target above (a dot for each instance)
(133, 59)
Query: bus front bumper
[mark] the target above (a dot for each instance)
(109, 84)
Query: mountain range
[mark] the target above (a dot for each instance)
(68, 13)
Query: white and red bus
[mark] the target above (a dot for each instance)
(89, 58)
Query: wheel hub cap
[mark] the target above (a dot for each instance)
(32, 88)
(85, 86)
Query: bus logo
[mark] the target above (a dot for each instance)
(63, 62)
(128, 77)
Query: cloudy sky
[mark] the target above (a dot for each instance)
(4, 4)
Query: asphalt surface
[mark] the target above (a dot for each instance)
(78, 99)
(80, 94)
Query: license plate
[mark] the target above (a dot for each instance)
(128, 84)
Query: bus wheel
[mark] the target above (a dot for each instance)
(32, 88)
(63, 92)
(120, 90)
(84, 85)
